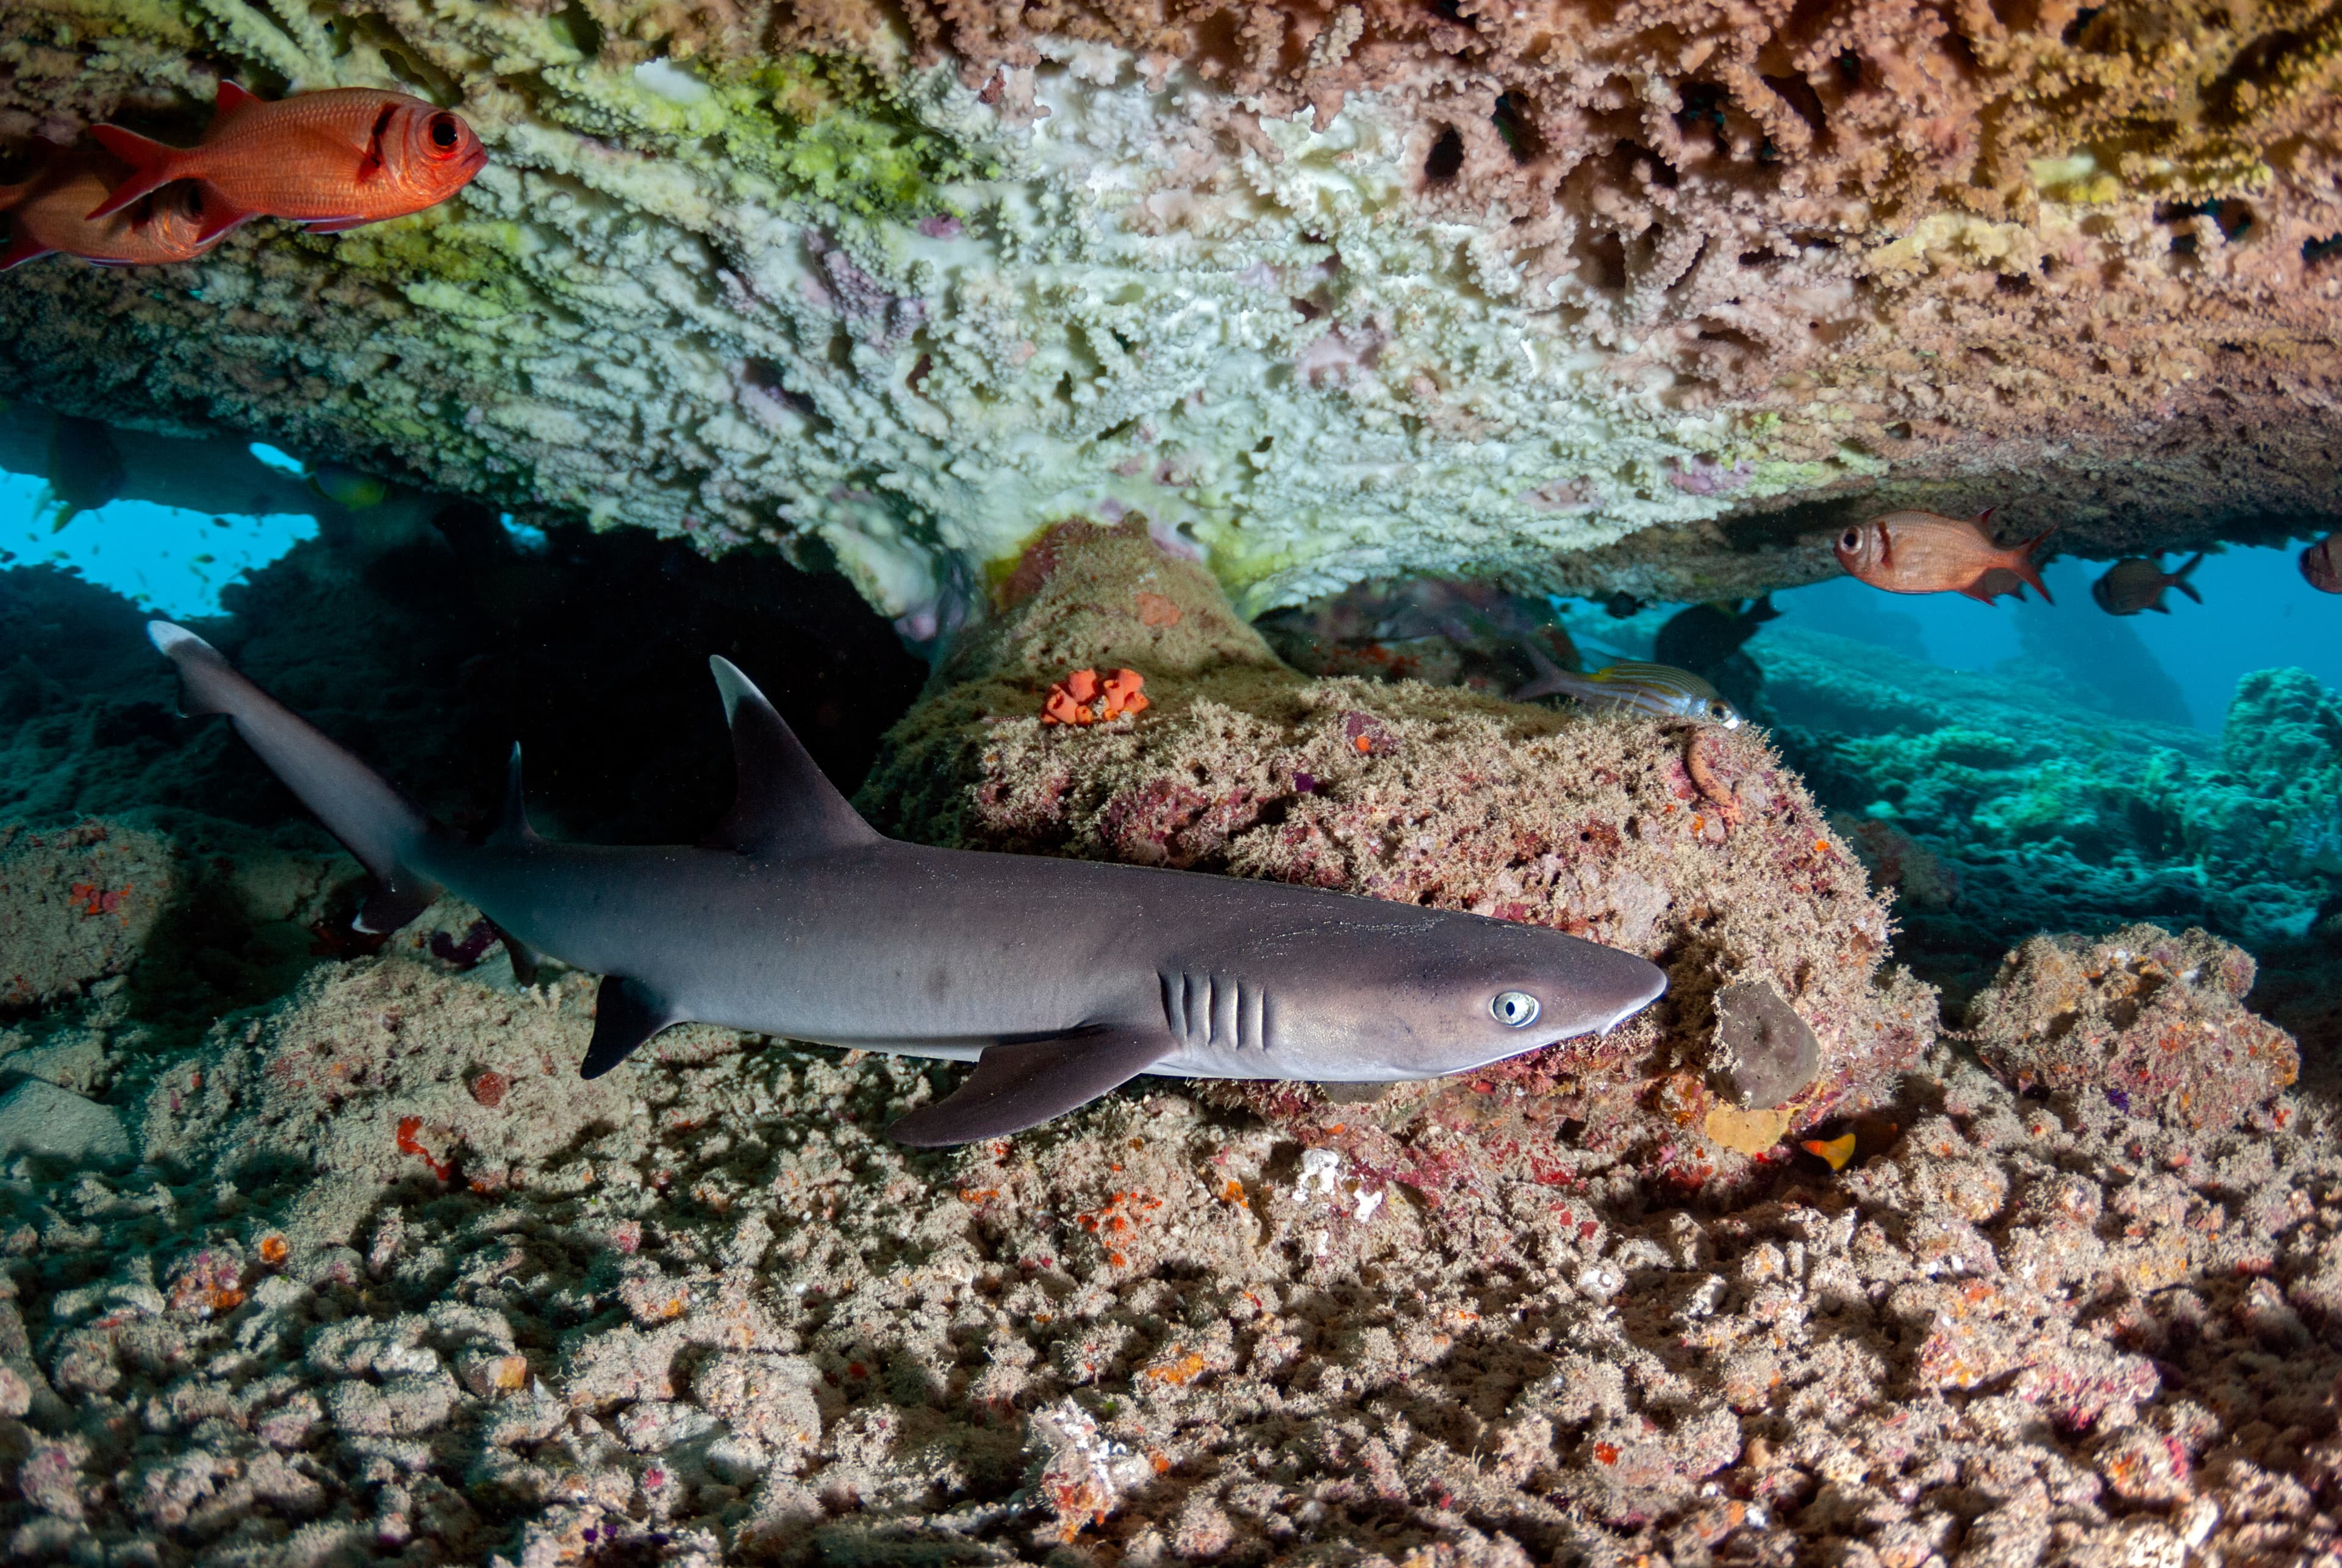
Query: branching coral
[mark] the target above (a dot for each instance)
(1592, 295)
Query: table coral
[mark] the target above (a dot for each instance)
(1404, 791)
(1601, 298)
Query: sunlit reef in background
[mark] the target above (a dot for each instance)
(166, 559)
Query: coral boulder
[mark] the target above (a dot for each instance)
(1723, 873)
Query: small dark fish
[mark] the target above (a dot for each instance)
(1622, 605)
(2321, 564)
(2137, 584)
(1631, 686)
(85, 468)
(1704, 635)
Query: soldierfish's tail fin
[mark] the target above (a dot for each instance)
(2179, 579)
(153, 165)
(374, 821)
(2019, 558)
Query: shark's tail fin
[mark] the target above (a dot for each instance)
(375, 822)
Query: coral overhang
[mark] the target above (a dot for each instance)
(1589, 296)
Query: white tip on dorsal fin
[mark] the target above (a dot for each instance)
(784, 804)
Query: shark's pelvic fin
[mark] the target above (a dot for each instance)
(525, 958)
(626, 1014)
(1023, 1083)
(783, 806)
(513, 831)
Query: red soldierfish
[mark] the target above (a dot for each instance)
(333, 159)
(1928, 553)
(50, 213)
(2137, 584)
(2321, 564)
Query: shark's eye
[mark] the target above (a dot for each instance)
(1514, 1009)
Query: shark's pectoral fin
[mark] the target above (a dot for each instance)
(626, 1014)
(1020, 1085)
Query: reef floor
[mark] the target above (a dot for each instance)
(311, 1254)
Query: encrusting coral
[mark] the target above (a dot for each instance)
(1591, 295)
(2155, 1023)
(1595, 825)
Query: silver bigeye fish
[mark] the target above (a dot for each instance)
(1629, 686)
(1059, 979)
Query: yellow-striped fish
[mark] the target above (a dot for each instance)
(1629, 686)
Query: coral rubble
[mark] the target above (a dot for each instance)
(1600, 297)
(1724, 872)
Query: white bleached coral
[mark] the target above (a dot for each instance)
(1392, 292)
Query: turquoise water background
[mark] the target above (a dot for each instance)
(2257, 613)
(166, 559)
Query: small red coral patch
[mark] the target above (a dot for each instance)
(1081, 698)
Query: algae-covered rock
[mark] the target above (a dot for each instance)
(76, 905)
(2154, 1022)
(38, 1118)
(1593, 825)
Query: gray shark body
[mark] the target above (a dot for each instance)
(1060, 979)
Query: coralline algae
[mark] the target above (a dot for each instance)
(1330, 292)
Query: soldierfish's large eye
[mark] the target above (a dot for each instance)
(1514, 1009)
(1849, 539)
(444, 130)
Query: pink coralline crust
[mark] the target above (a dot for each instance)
(1436, 798)
(2154, 1023)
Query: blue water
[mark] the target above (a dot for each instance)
(166, 559)
(2257, 613)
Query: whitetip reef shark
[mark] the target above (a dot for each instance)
(1060, 979)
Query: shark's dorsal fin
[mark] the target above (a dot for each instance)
(513, 831)
(783, 806)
